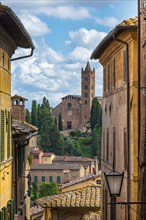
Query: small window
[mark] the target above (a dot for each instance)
(86, 78)
(35, 156)
(50, 179)
(92, 95)
(35, 179)
(69, 105)
(85, 95)
(85, 102)
(3, 59)
(86, 87)
(8, 64)
(43, 179)
(58, 179)
(92, 87)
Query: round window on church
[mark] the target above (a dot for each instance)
(69, 105)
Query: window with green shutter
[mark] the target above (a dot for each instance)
(8, 134)
(2, 135)
(50, 179)
(58, 179)
(35, 179)
(43, 178)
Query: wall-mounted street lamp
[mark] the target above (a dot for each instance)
(114, 180)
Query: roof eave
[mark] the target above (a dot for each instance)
(108, 39)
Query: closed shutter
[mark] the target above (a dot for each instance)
(104, 79)
(125, 65)
(11, 205)
(2, 135)
(43, 178)
(113, 73)
(8, 135)
(125, 150)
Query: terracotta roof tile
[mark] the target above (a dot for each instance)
(85, 197)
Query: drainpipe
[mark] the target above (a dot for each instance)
(23, 57)
(128, 122)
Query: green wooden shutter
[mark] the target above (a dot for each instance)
(58, 179)
(11, 205)
(43, 178)
(8, 135)
(2, 134)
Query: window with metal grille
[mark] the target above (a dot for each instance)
(125, 65)
(8, 134)
(2, 135)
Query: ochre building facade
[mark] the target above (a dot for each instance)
(117, 53)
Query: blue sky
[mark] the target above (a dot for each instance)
(64, 33)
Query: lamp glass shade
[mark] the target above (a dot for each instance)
(114, 181)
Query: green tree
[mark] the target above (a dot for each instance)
(46, 189)
(96, 114)
(27, 116)
(60, 125)
(96, 144)
(34, 113)
(55, 121)
(39, 117)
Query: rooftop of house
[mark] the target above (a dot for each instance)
(124, 25)
(72, 97)
(80, 180)
(72, 159)
(84, 197)
(56, 166)
(21, 127)
(11, 23)
(18, 97)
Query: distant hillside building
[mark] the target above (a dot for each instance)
(75, 109)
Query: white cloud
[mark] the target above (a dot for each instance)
(69, 12)
(107, 21)
(34, 25)
(80, 53)
(84, 37)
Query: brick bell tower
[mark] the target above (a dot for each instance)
(87, 94)
(18, 107)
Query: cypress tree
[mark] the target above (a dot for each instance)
(34, 113)
(96, 114)
(27, 116)
(60, 125)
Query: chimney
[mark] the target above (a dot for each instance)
(18, 108)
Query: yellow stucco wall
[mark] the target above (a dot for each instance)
(116, 100)
(5, 105)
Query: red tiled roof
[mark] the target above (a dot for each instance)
(85, 197)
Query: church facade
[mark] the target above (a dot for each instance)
(75, 109)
